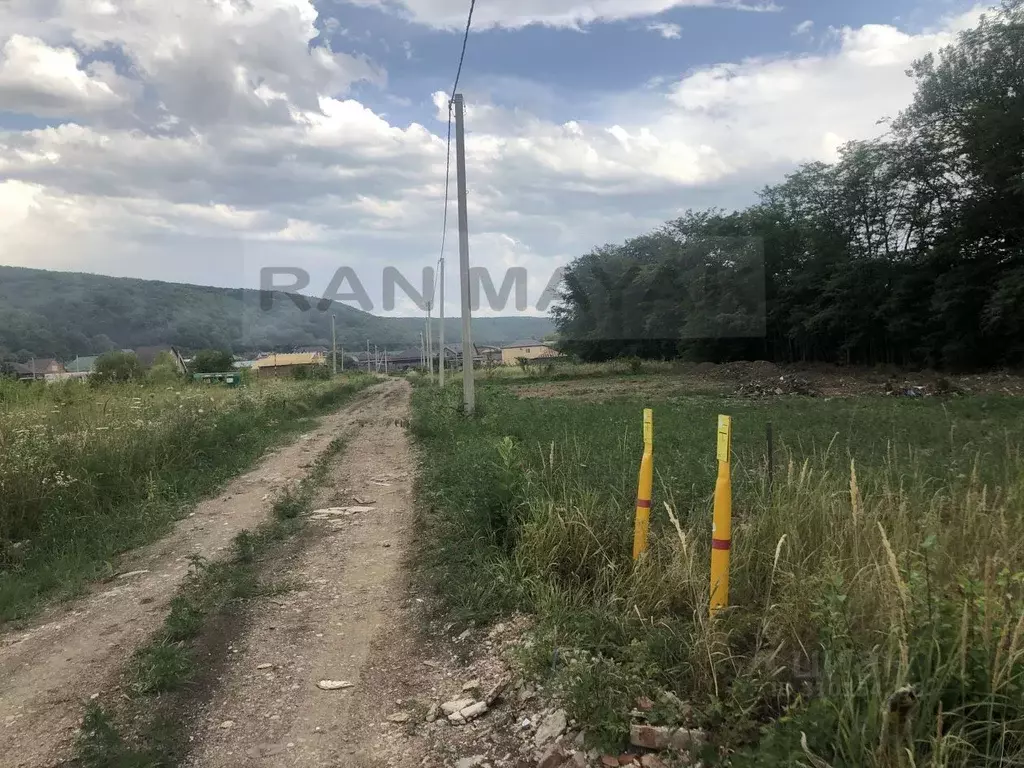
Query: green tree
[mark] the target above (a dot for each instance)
(908, 250)
(164, 369)
(117, 366)
(212, 361)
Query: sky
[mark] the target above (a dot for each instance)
(204, 141)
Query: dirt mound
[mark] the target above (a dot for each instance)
(755, 369)
(941, 387)
(777, 387)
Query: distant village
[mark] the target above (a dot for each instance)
(270, 364)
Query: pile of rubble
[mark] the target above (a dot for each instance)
(464, 708)
(905, 390)
(652, 746)
(549, 739)
(784, 385)
(493, 721)
(942, 387)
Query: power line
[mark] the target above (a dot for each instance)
(447, 180)
(439, 268)
(448, 152)
(462, 57)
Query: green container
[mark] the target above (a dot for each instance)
(231, 379)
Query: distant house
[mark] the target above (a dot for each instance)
(38, 368)
(528, 349)
(313, 350)
(286, 364)
(82, 364)
(406, 359)
(453, 354)
(148, 355)
(489, 355)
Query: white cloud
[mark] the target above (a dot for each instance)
(667, 30)
(804, 28)
(38, 79)
(793, 108)
(212, 62)
(281, 166)
(451, 14)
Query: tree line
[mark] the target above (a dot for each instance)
(909, 250)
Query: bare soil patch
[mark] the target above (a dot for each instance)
(765, 379)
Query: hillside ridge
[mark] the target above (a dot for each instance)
(63, 314)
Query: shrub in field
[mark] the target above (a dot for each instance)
(164, 370)
(116, 366)
(319, 372)
(212, 361)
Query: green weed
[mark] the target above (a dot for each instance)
(100, 744)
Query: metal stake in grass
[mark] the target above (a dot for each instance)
(645, 487)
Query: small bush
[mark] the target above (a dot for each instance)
(164, 370)
(317, 372)
(212, 361)
(117, 366)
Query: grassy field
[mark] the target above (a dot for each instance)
(87, 473)
(878, 607)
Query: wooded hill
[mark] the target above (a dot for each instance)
(61, 314)
(909, 250)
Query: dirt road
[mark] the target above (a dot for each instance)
(361, 619)
(49, 670)
(353, 597)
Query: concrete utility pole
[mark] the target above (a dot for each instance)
(334, 348)
(367, 355)
(468, 388)
(440, 362)
(430, 344)
(423, 352)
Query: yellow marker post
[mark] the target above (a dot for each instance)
(721, 531)
(645, 487)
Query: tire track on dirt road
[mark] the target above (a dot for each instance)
(268, 710)
(76, 650)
